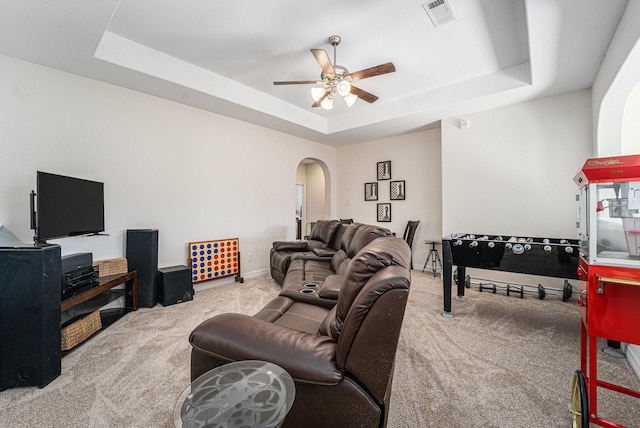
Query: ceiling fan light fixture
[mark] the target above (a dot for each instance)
(350, 99)
(344, 88)
(317, 93)
(327, 103)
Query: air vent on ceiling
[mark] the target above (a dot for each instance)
(439, 11)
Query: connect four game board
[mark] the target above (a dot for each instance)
(214, 259)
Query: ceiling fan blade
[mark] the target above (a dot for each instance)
(323, 59)
(298, 82)
(363, 95)
(372, 71)
(319, 102)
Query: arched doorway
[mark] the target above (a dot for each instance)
(312, 194)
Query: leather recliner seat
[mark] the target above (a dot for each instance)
(309, 275)
(341, 359)
(321, 239)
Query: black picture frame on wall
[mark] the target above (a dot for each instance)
(397, 190)
(383, 170)
(371, 191)
(383, 212)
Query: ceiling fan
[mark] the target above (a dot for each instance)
(336, 79)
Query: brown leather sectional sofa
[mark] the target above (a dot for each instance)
(340, 355)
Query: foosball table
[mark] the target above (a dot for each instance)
(552, 257)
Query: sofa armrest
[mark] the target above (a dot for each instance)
(311, 257)
(290, 245)
(331, 287)
(234, 337)
(327, 252)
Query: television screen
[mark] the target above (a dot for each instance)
(68, 206)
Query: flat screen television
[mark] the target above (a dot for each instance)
(67, 206)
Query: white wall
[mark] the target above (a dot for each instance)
(415, 158)
(616, 78)
(631, 123)
(510, 172)
(191, 174)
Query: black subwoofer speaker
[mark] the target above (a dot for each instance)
(174, 285)
(142, 255)
(30, 293)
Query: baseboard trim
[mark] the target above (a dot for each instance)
(633, 356)
(229, 279)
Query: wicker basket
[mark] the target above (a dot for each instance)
(111, 266)
(79, 331)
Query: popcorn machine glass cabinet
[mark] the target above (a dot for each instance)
(609, 223)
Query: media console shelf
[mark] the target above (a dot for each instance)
(106, 283)
(79, 328)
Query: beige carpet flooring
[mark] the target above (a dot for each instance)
(501, 362)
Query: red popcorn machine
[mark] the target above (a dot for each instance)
(608, 272)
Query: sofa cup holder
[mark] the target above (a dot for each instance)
(307, 291)
(311, 285)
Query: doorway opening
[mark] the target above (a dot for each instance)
(312, 195)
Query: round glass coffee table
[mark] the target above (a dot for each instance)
(239, 394)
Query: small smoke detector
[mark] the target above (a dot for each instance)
(439, 11)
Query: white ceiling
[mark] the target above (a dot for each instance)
(224, 56)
